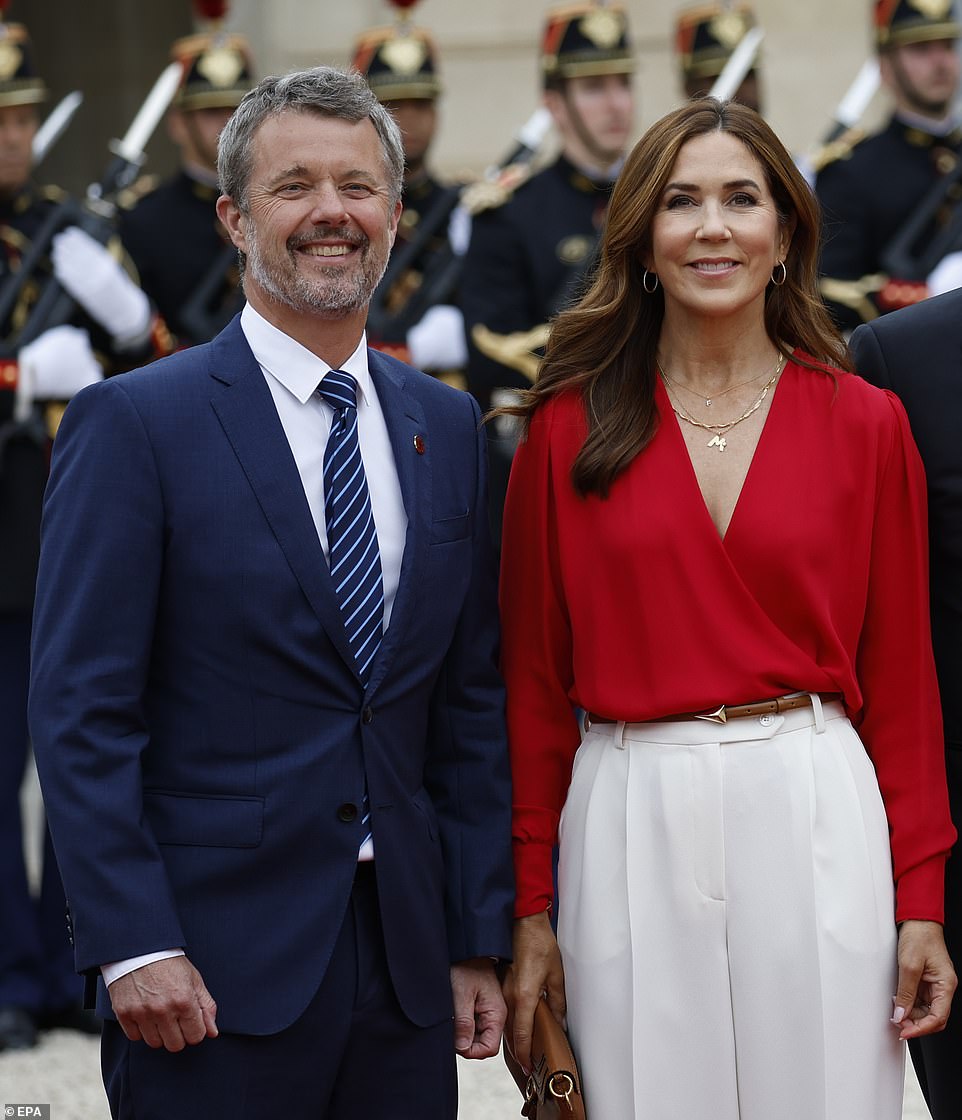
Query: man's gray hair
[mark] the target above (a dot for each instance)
(342, 94)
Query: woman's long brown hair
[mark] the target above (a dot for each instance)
(605, 345)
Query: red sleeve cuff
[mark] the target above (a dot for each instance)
(920, 892)
(9, 373)
(534, 881)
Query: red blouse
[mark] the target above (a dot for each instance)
(633, 607)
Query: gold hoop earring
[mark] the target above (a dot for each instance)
(644, 282)
(784, 277)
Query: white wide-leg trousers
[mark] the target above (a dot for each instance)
(726, 921)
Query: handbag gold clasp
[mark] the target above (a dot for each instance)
(561, 1086)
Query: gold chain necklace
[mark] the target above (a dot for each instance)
(708, 400)
(719, 431)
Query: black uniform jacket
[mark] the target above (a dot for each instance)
(527, 259)
(867, 195)
(184, 258)
(25, 443)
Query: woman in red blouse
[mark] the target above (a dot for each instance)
(715, 548)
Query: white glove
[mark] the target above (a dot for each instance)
(438, 341)
(55, 366)
(459, 230)
(946, 276)
(99, 284)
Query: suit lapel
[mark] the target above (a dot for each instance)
(404, 417)
(245, 408)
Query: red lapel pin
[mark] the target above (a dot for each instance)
(419, 444)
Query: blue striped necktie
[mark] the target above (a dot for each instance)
(353, 555)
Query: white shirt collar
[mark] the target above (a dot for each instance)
(292, 364)
(927, 124)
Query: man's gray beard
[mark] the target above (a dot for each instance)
(334, 298)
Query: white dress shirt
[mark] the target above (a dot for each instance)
(293, 374)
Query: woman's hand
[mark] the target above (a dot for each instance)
(536, 970)
(926, 980)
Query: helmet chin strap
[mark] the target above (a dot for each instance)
(600, 157)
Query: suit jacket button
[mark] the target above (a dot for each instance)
(347, 812)
(367, 716)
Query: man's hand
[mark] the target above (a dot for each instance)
(479, 1011)
(926, 980)
(166, 1004)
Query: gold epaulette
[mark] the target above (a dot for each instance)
(489, 194)
(50, 193)
(517, 351)
(143, 185)
(854, 294)
(839, 148)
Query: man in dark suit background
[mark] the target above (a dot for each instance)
(209, 733)
(917, 353)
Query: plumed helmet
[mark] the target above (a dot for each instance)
(706, 37)
(898, 22)
(583, 40)
(217, 65)
(399, 62)
(20, 84)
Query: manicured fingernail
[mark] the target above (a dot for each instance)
(899, 1015)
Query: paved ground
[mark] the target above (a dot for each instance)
(64, 1070)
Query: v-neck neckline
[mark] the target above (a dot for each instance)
(667, 412)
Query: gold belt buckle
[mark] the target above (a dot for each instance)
(719, 715)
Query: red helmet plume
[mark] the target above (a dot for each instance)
(212, 10)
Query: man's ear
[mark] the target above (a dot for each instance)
(885, 70)
(175, 126)
(395, 218)
(554, 102)
(234, 220)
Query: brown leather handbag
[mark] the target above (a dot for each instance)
(552, 1091)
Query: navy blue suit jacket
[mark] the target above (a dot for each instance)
(917, 353)
(198, 723)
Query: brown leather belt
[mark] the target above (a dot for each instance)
(726, 712)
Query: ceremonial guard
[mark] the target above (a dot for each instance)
(531, 247)
(186, 263)
(705, 39)
(69, 314)
(413, 315)
(890, 201)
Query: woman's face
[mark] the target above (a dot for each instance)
(716, 234)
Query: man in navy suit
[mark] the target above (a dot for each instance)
(917, 353)
(208, 738)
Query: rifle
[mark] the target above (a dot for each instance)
(54, 306)
(384, 322)
(442, 268)
(920, 243)
(206, 312)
